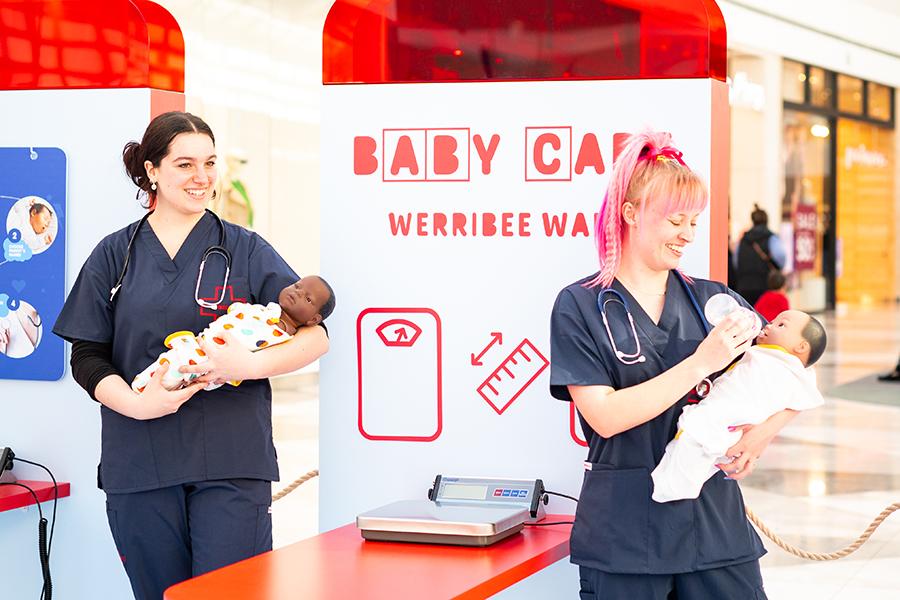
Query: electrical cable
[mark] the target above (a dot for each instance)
(43, 553)
(44, 545)
(572, 498)
(55, 498)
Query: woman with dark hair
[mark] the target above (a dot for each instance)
(187, 474)
(631, 347)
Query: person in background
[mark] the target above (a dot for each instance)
(893, 375)
(774, 301)
(759, 252)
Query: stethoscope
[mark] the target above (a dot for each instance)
(603, 298)
(217, 249)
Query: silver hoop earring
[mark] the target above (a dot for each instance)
(153, 186)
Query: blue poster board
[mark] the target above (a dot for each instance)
(33, 262)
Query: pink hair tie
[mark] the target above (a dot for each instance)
(664, 154)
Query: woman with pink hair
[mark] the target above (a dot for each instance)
(629, 347)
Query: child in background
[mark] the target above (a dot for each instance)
(773, 301)
(307, 302)
(770, 377)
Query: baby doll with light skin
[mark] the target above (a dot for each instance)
(306, 302)
(40, 217)
(773, 375)
(789, 331)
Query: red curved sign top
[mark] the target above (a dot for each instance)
(67, 44)
(404, 41)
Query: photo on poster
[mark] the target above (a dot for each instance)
(33, 221)
(21, 328)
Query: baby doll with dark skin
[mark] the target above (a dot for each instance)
(304, 303)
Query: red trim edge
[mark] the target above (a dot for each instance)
(84, 44)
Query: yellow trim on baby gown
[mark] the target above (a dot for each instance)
(175, 335)
(769, 346)
(773, 347)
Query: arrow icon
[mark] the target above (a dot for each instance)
(496, 337)
(401, 334)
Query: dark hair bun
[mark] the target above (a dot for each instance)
(133, 158)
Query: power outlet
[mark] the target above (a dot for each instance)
(6, 464)
(6, 459)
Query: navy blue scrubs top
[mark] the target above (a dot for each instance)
(222, 434)
(618, 528)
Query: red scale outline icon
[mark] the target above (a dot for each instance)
(399, 333)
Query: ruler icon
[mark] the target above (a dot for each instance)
(515, 373)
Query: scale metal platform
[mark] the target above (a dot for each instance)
(461, 511)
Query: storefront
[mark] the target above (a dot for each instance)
(837, 207)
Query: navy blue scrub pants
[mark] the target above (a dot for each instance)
(171, 534)
(735, 582)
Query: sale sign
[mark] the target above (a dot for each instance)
(805, 221)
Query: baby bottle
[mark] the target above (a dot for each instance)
(721, 305)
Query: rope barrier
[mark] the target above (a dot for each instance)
(831, 555)
(851, 548)
(295, 484)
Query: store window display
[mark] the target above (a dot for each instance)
(234, 203)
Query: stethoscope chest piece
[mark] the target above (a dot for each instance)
(703, 387)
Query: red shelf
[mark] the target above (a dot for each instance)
(13, 496)
(340, 564)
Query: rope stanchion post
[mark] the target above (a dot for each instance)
(830, 555)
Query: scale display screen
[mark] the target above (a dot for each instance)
(458, 491)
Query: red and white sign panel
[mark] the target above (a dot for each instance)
(473, 203)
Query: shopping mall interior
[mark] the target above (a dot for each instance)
(830, 472)
(812, 113)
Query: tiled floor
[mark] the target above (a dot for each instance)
(818, 486)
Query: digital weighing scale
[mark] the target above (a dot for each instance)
(463, 511)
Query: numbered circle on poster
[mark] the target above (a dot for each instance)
(34, 222)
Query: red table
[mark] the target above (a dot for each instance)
(13, 496)
(339, 564)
